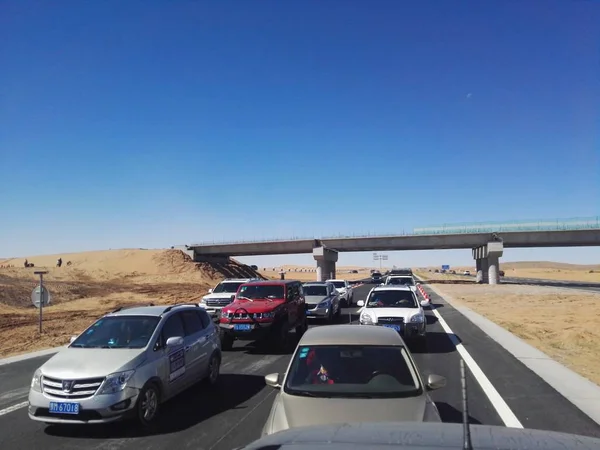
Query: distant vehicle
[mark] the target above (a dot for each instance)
(396, 307)
(345, 373)
(407, 435)
(467, 272)
(406, 271)
(322, 301)
(345, 290)
(126, 364)
(264, 310)
(222, 295)
(254, 267)
(401, 280)
(501, 273)
(376, 277)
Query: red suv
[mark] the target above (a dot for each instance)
(264, 310)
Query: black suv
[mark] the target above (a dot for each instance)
(376, 277)
(401, 272)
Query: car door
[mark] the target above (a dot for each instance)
(175, 362)
(292, 302)
(195, 345)
(334, 297)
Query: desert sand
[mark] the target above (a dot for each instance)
(96, 283)
(548, 318)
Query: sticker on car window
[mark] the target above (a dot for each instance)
(176, 365)
(304, 352)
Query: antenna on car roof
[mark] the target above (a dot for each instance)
(467, 444)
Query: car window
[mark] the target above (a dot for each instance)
(392, 299)
(292, 292)
(348, 371)
(262, 291)
(192, 322)
(173, 327)
(228, 287)
(203, 317)
(118, 332)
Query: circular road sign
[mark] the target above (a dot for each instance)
(37, 296)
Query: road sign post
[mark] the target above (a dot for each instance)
(40, 297)
(446, 267)
(377, 257)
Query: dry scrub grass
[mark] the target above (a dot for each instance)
(95, 283)
(563, 323)
(308, 273)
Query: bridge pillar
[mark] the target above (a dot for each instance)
(326, 259)
(487, 259)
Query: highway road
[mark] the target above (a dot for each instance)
(233, 414)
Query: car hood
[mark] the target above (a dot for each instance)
(314, 299)
(74, 363)
(255, 306)
(392, 312)
(219, 295)
(305, 411)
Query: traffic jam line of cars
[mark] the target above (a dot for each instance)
(130, 361)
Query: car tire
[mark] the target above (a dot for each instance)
(282, 338)
(301, 329)
(147, 406)
(226, 340)
(214, 369)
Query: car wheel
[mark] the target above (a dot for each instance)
(214, 369)
(301, 329)
(147, 405)
(282, 340)
(226, 340)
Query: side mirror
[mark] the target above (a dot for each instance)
(210, 291)
(72, 339)
(272, 380)
(360, 303)
(174, 341)
(435, 382)
(425, 303)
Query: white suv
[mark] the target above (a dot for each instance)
(222, 295)
(396, 307)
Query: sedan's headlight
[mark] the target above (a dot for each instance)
(323, 304)
(366, 319)
(417, 319)
(116, 382)
(36, 381)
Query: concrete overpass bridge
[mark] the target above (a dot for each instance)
(486, 241)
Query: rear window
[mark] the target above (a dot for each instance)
(315, 290)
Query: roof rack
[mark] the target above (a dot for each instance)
(120, 308)
(169, 308)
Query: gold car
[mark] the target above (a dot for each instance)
(349, 373)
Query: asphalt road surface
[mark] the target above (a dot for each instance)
(233, 414)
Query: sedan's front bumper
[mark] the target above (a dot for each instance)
(317, 313)
(92, 410)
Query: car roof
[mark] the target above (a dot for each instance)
(272, 282)
(333, 279)
(237, 280)
(393, 287)
(155, 311)
(350, 335)
(400, 276)
(316, 283)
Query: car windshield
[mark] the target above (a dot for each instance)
(315, 290)
(376, 274)
(403, 281)
(118, 332)
(258, 291)
(392, 299)
(339, 284)
(347, 371)
(228, 287)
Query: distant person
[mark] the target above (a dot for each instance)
(26, 263)
(59, 262)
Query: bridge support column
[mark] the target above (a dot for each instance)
(326, 259)
(487, 258)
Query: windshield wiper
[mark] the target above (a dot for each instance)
(307, 394)
(245, 298)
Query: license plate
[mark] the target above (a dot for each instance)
(242, 326)
(64, 408)
(309, 313)
(395, 327)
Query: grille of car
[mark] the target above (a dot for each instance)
(218, 301)
(391, 320)
(71, 389)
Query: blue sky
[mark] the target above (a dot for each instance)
(154, 123)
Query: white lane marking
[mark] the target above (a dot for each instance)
(242, 419)
(13, 408)
(8, 395)
(503, 410)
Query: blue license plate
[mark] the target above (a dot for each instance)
(242, 326)
(309, 313)
(395, 327)
(64, 408)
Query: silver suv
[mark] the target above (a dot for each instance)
(222, 295)
(125, 365)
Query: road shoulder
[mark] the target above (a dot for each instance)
(577, 390)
